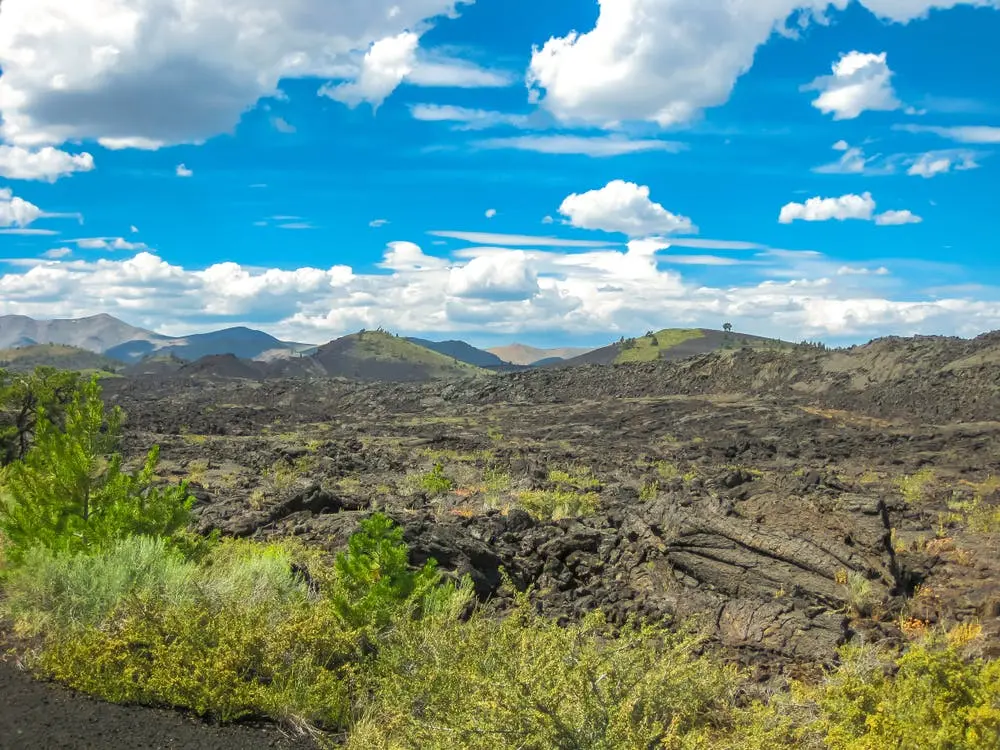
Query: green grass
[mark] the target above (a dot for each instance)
(649, 348)
(384, 347)
(26, 358)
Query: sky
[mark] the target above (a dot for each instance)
(554, 172)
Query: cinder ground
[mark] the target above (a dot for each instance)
(783, 502)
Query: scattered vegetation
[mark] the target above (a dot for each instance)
(366, 650)
(435, 482)
(652, 345)
(913, 487)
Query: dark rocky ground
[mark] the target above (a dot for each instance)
(39, 716)
(784, 502)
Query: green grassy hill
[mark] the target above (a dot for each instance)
(376, 355)
(669, 344)
(57, 355)
(651, 348)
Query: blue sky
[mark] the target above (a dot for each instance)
(798, 168)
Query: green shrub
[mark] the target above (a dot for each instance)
(65, 591)
(286, 662)
(526, 682)
(236, 634)
(70, 492)
(373, 580)
(559, 503)
(435, 482)
(937, 700)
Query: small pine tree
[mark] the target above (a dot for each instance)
(22, 398)
(70, 492)
(373, 577)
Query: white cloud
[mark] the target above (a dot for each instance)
(16, 212)
(516, 240)
(495, 291)
(133, 229)
(860, 82)
(702, 260)
(862, 271)
(144, 74)
(851, 206)
(27, 232)
(385, 65)
(282, 125)
(928, 166)
(466, 118)
(490, 213)
(582, 145)
(852, 161)
(183, 171)
(823, 209)
(666, 60)
(108, 243)
(430, 70)
(940, 162)
(407, 256)
(623, 207)
(47, 164)
(500, 277)
(376, 223)
(58, 252)
(547, 220)
(895, 218)
(961, 133)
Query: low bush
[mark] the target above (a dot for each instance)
(558, 503)
(527, 682)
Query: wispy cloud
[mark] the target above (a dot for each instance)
(516, 240)
(597, 146)
(465, 118)
(959, 133)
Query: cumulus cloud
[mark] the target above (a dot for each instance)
(141, 75)
(498, 290)
(47, 164)
(895, 218)
(823, 209)
(623, 207)
(385, 66)
(666, 60)
(495, 277)
(490, 213)
(58, 252)
(860, 82)
(15, 211)
(183, 171)
(851, 206)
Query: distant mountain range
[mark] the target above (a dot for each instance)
(104, 343)
(104, 334)
(521, 354)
